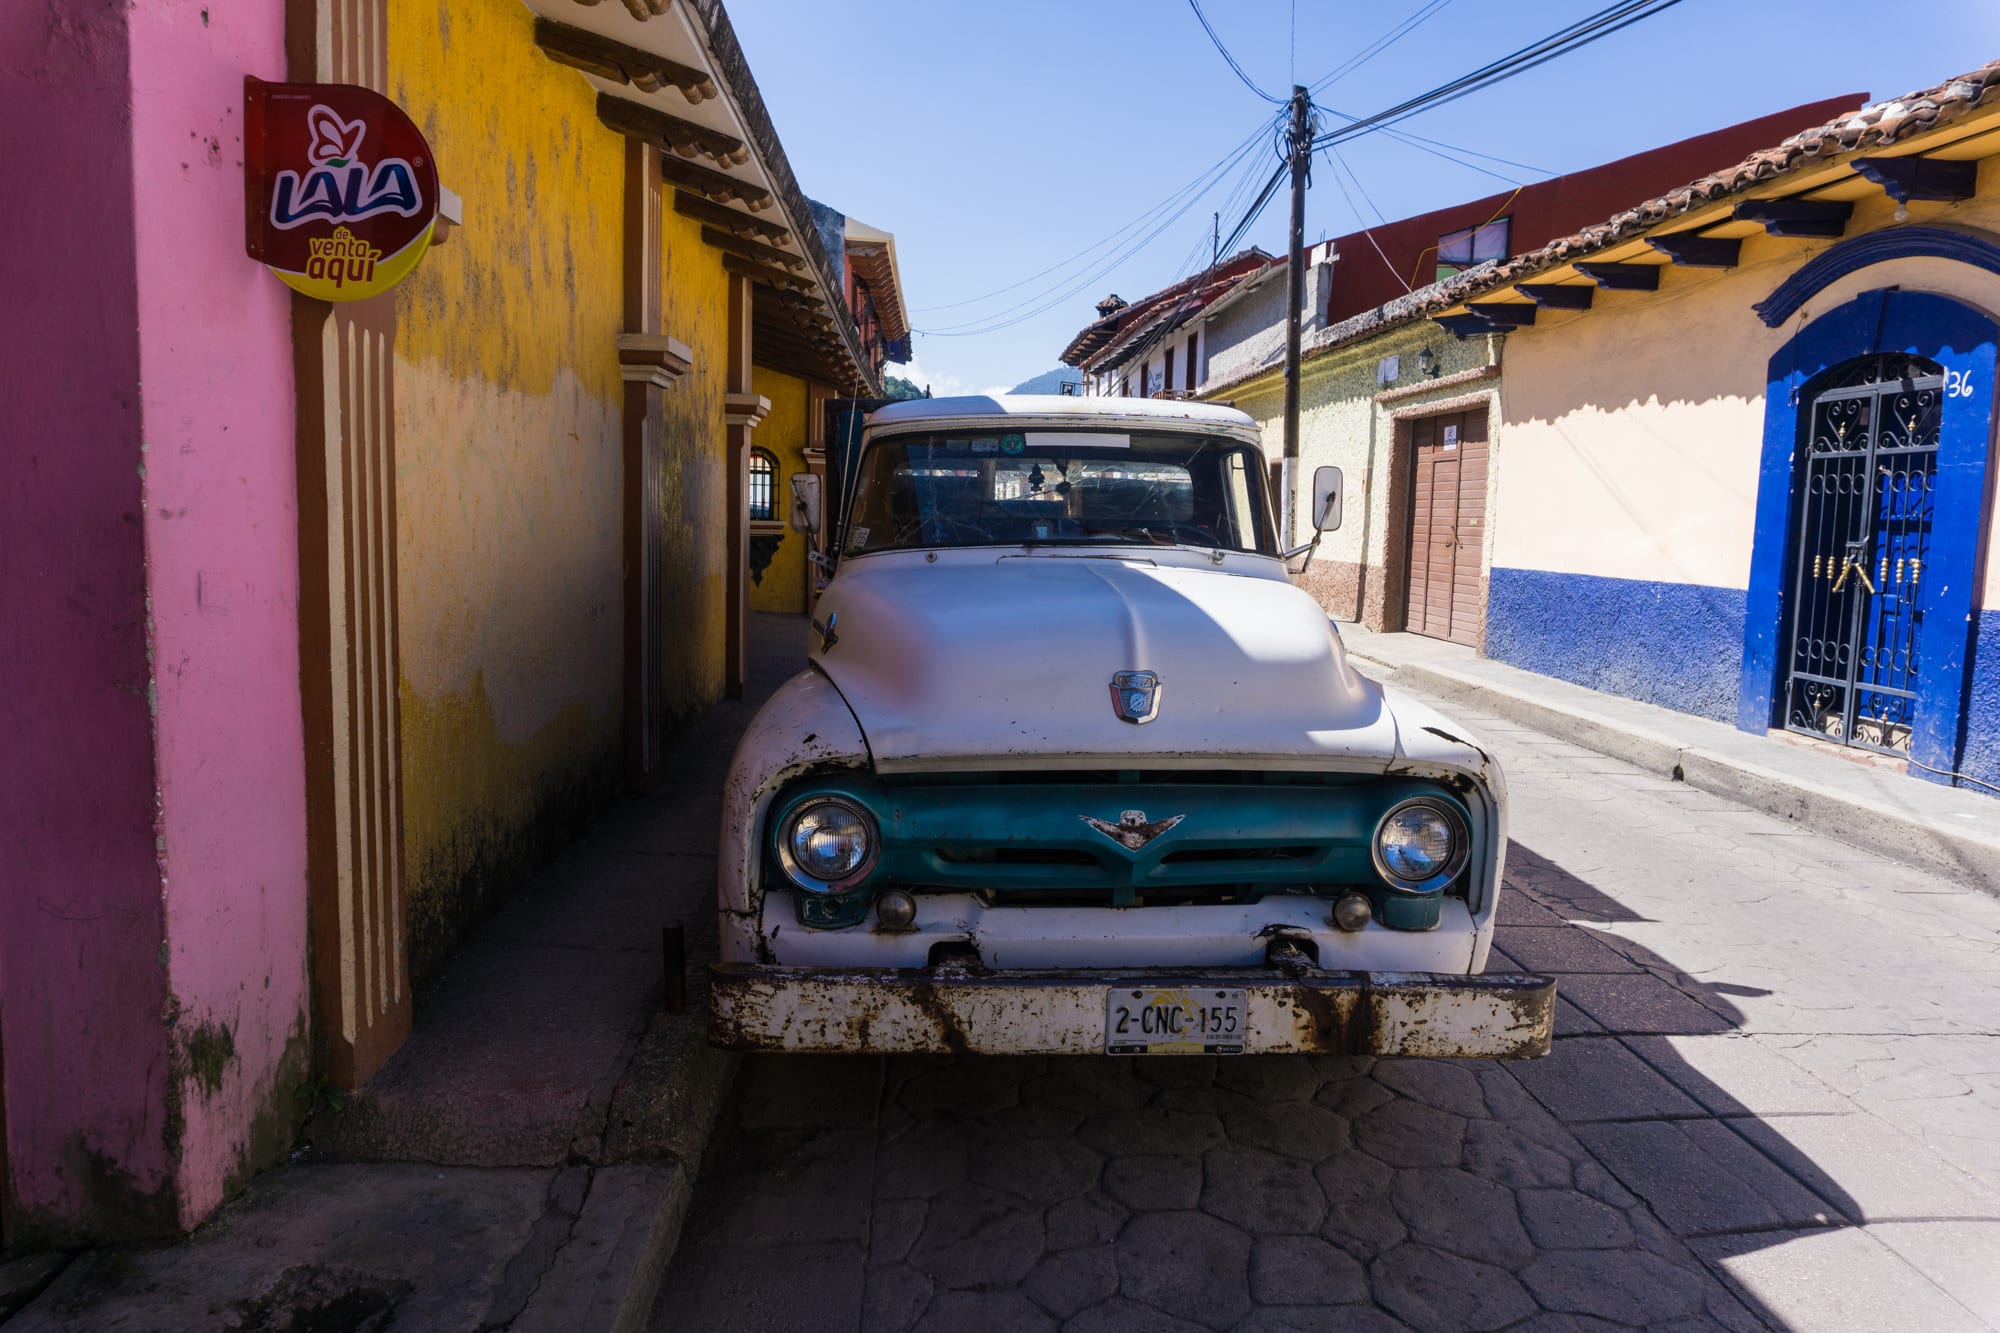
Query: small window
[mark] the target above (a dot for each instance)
(763, 483)
(1471, 245)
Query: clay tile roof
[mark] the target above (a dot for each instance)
(1874, 126)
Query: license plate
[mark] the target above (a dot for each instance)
(1188, 1020)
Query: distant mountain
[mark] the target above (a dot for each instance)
(1051, 382)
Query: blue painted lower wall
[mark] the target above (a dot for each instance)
(1678, 645)
(1981, 756)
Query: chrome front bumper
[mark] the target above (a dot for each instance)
(758, 1007)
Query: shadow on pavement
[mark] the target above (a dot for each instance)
(1594, 1188)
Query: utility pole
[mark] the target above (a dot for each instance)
(1215, 243)
(1300, 149)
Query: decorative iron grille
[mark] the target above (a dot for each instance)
(1867, 493)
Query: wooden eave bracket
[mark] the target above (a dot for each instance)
(681, 137)
(1796, 217)
(1907, 178)
(1692, 250)
(1622, 277)
(714, 185)
(653, 358)
(1466, 324)
(618, 63)
(745, 409)
(756, 251)
(770, 277)
(741, 224)
(1503, 314)
(1557, 296)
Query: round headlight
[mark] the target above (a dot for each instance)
(826, 844)
(1420, 845)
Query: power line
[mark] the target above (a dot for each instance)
(1381, 44)
(1222, 165)
(1248, 82)
(1577, 35)
(1007, 318)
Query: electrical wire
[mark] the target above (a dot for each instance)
(1248, 82)
(1065, 287)
(1592, 28)
(1228, 159)
(1380, 44)
(1050, 297)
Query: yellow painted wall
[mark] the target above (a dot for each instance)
(1632, 448)
(509, 463)
(693, 497)
(784, 434)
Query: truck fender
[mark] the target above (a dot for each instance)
(806, 727)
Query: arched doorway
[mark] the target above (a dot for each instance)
(1867, 500)
(1878, 431)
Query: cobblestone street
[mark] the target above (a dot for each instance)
(1774, 1101)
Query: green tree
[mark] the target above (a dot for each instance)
(898, 388)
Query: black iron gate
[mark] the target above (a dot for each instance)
(1867, 495)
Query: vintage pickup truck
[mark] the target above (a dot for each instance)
(1075, 768)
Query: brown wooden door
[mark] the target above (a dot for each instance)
(1447, 517)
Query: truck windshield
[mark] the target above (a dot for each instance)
(1015, 488)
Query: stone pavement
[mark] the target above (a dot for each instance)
(1853, 795)
(525, 1160)
(1774, 1102)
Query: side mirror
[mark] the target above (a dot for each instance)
(806, 504)
(1327, 498)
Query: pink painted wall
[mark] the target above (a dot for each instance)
(152, 845)
(215, 363)
(82, 982)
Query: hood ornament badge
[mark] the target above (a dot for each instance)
(1135, 695)
(1133, 829)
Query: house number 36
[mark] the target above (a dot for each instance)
(1957, 384)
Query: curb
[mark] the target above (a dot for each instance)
(1963, 855)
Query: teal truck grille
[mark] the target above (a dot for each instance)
(1022, 842)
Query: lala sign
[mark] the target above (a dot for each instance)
(340, 190)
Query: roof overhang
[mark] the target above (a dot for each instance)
(671, 74)
(873, 254)
(1922, 147)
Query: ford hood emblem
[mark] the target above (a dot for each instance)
(1135, 695)
(1133, 829)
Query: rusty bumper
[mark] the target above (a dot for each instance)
(764, 1008)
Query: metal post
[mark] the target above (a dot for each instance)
(1300, 147)
(673, 956)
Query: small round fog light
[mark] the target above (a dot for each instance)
(1352, 911)
(896, 910)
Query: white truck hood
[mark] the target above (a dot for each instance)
(989, 661)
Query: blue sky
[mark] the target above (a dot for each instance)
(996, 140)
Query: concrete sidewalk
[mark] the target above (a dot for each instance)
(1861, 799)
(525, 1160)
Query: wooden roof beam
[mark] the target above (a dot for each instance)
(1692, 250)
(1503, 314)
(682, 137)
(770, 277)
(1796, 217)
(1622, 277)
(618, 63)
(1557, 296)
(715, 215)
(1907, 178)
(714, 185)
(754, 250)
(1465, 325)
